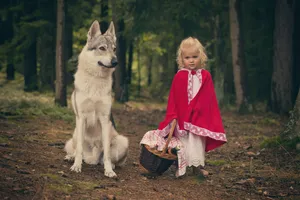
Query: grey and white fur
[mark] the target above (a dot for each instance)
(94, 139)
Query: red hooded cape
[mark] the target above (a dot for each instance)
(200, 115)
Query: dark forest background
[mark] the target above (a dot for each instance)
(253, 48)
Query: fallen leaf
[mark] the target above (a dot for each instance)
(247, 147)
(266, 193)
(250, 153)
(251, 180)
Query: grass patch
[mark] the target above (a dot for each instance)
(85, 185)
(271, 142)
(14, 102)
(216, 162)
(269, 121)
(276, 141)
(59, 183)
(53, 177)
(33, 107)
(139, 104)
(65, 188)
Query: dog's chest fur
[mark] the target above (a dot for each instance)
(93, 96)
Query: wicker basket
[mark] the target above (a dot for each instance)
(157, 162)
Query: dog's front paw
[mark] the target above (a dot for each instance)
(110, 173)
(76, 168)
(91, 160)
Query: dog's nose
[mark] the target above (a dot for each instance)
(114, 62)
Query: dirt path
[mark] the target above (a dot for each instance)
(32, 165)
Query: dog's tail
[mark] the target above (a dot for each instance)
(119, 150)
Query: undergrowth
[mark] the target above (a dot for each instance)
(14, 102)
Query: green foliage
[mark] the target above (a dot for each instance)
(271, 142)
(149, 43)
(83, 13)
(160, 91)
(277, 141)
(156, 27)
(14, 102)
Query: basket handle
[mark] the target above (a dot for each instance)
(170, 135)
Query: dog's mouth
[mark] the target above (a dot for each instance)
(114, 63)
(101, 64)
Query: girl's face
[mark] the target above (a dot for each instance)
(191, 58)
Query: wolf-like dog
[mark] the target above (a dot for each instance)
(94, 139)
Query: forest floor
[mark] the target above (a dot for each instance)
(33, 132)
(32, 162)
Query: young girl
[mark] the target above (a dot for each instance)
(192, 102)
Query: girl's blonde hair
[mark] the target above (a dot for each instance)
(191, 42)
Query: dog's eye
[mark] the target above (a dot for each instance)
(102, 48)
(114, 49)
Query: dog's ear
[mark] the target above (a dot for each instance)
(111, 30)
(94, 30)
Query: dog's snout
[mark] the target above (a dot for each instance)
(114, 62)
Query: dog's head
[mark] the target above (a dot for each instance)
(102, 46)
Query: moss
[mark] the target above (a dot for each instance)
(3, 139)
(216, 162)
(65, 188)
(278, 141)
(85, 185)
(58, 181)
(270, 142)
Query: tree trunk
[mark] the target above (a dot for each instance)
(8, 36)
(129, 64)
(297, 111)
(60, 84)
(30, 67)
(68, 40)
(120, 73)
(237, 55)
(218, 71)
(30, 50)
(281, 86)
(150, 60)
(104, 16)
(47, 58)
(68, 33)
(139, 73)
(292, 128)
(46, 46)
(296, 42)
(10, 69)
